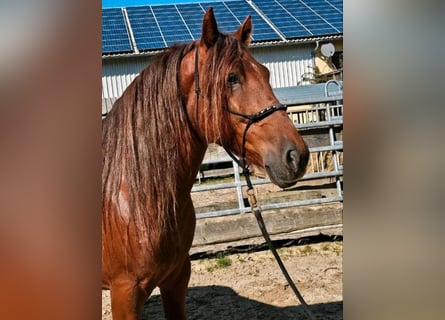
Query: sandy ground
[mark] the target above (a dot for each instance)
(251, 286)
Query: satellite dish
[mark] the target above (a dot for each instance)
(327, 49)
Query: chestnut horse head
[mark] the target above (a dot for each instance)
(236, 106)
(153, 142)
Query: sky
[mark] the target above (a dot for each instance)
(128, 3)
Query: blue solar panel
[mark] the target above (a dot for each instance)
(145, 28)
(192, 13)
(289, 26)
(336, 3)
(308, 17)
(261, 30)
(172, 26)
(295, 18)
(331, 11)
(114, 32)
(227, 22)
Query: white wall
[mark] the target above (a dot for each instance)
(118, 73)
(287, 64)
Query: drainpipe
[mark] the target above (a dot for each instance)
(316, 46)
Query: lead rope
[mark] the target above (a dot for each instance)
(197, 88)
(256, 209)
(259, 218)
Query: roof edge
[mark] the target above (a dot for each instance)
(254, 44)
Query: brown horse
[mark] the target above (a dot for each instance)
(153, 142)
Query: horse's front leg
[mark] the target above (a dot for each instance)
(127, 300)
(174, 290)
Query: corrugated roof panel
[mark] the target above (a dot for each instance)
(311, 93)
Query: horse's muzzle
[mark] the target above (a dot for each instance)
(285, 170)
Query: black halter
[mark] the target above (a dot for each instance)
(252, 118)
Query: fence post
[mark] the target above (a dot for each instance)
(239, 190)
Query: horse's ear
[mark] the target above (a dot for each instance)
(245, 31)
(210, 31)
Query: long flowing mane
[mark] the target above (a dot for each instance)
(139, 143)
(141, 134)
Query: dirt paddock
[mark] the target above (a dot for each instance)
(245, 286)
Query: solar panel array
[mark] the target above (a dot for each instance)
(160, 26)
(300, 18)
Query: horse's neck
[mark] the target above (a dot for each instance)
(189, 164)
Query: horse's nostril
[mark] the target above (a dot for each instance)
(292, 159)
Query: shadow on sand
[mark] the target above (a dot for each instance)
(219, 302)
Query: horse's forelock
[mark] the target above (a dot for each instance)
(222, 58)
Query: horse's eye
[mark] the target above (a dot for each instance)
(232, 79)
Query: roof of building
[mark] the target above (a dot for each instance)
(144, 29)
(310, 94)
